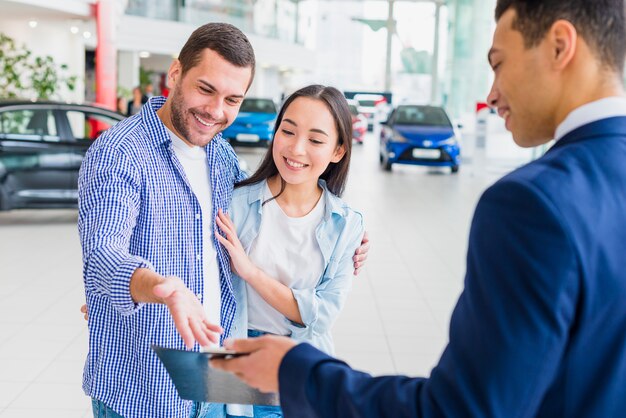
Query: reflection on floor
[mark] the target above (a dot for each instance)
(395, 320)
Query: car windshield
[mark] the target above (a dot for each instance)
(353, 109)
(421, 115)
(367, 103)
(258, 106)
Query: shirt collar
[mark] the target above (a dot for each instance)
(153, 123)
(332, 203)
(600, 109)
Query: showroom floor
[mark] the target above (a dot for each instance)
(395, 320)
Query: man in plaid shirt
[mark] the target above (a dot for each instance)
(149, 192)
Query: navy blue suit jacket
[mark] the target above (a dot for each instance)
(540, 328)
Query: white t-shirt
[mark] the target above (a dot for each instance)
(287, 250)
(194, 162)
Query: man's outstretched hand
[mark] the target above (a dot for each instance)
(186, 310)
(188, 313)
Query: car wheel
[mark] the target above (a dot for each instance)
(386, 163)
(4, 200)
(455, 169)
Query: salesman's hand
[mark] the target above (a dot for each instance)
(83, 309)
(187, 311)
(360, 255)
(259, 368)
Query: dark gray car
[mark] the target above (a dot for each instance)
(42, 145)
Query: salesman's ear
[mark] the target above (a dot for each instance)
(563, 41)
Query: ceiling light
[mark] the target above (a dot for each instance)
(74, 29)
(86, 35)
(144, 54)
(32, 23)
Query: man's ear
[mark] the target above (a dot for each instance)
(563, 40)
(174, 73)
(340, 151)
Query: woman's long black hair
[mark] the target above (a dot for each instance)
(336, 174)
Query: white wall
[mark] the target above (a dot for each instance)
(74, 7)
(267, 83)
(167, 38)
(339, 43)
(128, 69)
(52, 37)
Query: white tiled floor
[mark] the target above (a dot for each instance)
(395, 320)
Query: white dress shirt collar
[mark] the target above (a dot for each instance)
(600, 109)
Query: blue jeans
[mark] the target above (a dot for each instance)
(264, 411)
(198, 410)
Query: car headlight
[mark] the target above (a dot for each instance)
(450, 141)
(397, 137)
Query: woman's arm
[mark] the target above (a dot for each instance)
(279, 296)
(320, 306)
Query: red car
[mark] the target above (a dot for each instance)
(359, 122)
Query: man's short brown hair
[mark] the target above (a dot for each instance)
(225, 39)
(599, 22)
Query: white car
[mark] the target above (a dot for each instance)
(373, 106)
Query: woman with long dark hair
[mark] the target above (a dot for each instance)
(291, 238)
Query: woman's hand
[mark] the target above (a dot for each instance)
(240, 262)
(360, 255)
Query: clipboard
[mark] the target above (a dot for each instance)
(196, 381)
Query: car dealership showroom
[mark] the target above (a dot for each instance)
(425, 146)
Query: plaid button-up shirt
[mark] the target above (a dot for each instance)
(136, 209)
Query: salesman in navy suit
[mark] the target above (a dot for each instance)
(540, 328)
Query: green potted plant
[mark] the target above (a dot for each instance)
(24, 75)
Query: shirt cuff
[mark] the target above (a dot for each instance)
(121, 299)
(293, 375)
(307, 305)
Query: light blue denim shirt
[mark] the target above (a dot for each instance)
(339, 234)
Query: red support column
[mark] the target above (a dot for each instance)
(106, 55)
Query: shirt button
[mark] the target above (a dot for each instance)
(197, 216)
(199, 296)
(198, 257)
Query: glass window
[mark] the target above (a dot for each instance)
(367, 103)
(29, 124)
(155, 9)
(258, 106)
(421, 115)
(88, 126)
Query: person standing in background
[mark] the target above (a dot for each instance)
(135, 104)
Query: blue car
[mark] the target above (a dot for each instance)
(419, 135)
(254, 126)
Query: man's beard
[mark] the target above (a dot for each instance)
(180, 122)
(178, 117)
